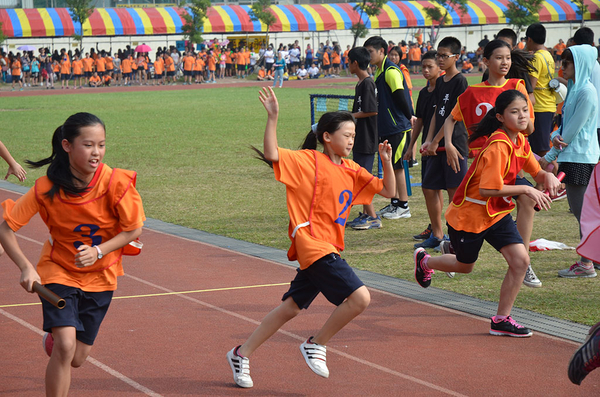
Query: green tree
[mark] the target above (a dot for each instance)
(523, 13)
(80, 11)
(371, 8)
(261, 11)
(194, 24)
(582, 9)
(2, 36)
(441, 14)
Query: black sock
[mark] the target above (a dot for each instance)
(403, 204)
(396, 202)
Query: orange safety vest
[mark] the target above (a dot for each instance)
(495, 205)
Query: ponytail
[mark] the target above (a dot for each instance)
(59, 169)
(490, 123)
(522, 64)
(329, 122)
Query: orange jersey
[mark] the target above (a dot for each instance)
(65, 66)
(198, 64)
(77, 67)
(319, 197)
(107, 78)
(159, 66)
(169, 64)
(126, 65)
(56, 68)
(109, 63)
(100, 65)
(229, 57)
(560, 48)
(240, 58)
(16, 68)
(188, 63)
(326, 58)
(261, 73)
(414, 54)
(95, 79)
(335, 57)
(495, 166)
(212, 62)
(112, 205)
(87, 64)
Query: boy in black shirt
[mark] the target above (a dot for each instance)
(425, 112)
(438, 175)
(366, 140)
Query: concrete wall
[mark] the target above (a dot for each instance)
(468, 35)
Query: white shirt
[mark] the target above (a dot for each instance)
(269, 56)
(313, 71)
(295, 55)
(303, 72)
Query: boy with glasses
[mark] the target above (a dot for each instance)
(437, 174)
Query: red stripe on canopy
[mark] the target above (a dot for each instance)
(158, 22)
(67, 22)
(217, 23)
(244, 17)
(300, 19)
(97, 24)
(328, 20)
(35, 21)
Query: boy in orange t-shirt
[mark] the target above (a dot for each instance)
(198, 69)
(212, 67)
(78, 72)
(107, 79)
(188, 67)
(88, 64)
(159, 70)
(65, 71)
(414, 58)
(15, 68)
(126, 68)
(95, 80)
(241, 63)
(170, 67)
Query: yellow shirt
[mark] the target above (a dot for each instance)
(544, 97)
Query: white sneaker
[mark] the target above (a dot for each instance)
(531, 279)
(385, 210)
(397, 213)
(240, 367)
(315, 356)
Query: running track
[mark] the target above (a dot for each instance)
(157, 342)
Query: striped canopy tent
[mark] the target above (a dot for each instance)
(57, 22)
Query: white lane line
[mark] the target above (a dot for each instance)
(93, 361)
(291, 335)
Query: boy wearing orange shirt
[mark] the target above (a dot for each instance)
(65, 70)
(159, 70)
(414, 55)
(188, 66)
(326, 63)
(78, 72)
(95, 80)
(126, 68)
(212, 67)
(241, 63)
(107, 79)
(100, 66)
(87, 65)
(170, 67)
(228, 62)
(15, 67)
(198, 69)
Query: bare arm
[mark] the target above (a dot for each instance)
(452, 154)
(362, 115)
(8, 239)
(389, 179)
(269, 100)
(88, 255)
(541, 199)
(414, 135)
(533, 81)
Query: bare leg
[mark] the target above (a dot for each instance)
(435, 205)
(356, 303)
(448, 263)
(58, 371)
(401, 185)
(518, 260)
(369, 209)
(283, 313)
(525, 213)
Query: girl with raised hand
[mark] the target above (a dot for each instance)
(92, 212)
(321, 187)
(480, 209)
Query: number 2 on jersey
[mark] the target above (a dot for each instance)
(348, 199)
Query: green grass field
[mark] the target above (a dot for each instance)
(191, 151)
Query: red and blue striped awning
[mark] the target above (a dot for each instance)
(57, 22)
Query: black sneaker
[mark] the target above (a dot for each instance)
(509, 327)
(587, 357)
(424, 235)
(422, 276)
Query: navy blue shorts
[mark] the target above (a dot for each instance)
(438, 175)
(542, 129)
(171, 74)
(365, 160)
(187, 72)
(467, 245)
(87, 74)
(398, 142)
(521, 182)
(84, 311)
(330, 275)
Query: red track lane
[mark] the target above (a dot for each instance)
(175, 345)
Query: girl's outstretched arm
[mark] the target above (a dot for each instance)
(269, 100)
(389, 179)
(8, 239)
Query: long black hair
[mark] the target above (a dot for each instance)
(490, 123)
(329, 122)
(59, 170)
(521, 61)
